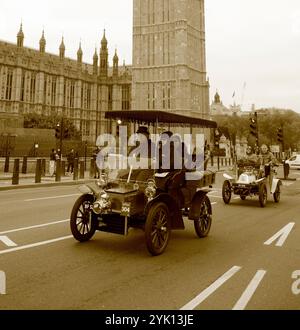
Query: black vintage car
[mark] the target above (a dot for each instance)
(152, 200)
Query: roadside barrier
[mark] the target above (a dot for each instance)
(75, 175)
(63, 168)
(82, 166)
(38, 171)
(6, 166)
(58, 171)
(15, 177)
(24, 165)
(43, 167)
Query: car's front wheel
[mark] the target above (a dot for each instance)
(276, 195)
(158, 229)
(83, 224)
(203, 224)
(263, 195)
(226, 192)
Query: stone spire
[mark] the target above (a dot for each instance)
(79, 54)
(95, 62)
(104, 57)
(62, 49)
(116, 64)
(20, 37)
(43, 43)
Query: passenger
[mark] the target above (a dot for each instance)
(251, 157)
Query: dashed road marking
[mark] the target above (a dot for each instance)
(30, 246)
(211, 289)
(281, 236)
(249, 292)
(8, 242)
(53, 197)
(34, 227)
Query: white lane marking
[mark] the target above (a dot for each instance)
(211, 289)
(249, 292)
(8, 242)
(214, 196)
(53, 197)
(282, 235)
(34, 227)
(30, 246)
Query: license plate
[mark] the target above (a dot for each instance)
(125, 211)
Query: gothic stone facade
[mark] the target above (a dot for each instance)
(33, 81)
(169, 57)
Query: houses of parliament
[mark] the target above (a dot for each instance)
(168, 72)
(34, 81)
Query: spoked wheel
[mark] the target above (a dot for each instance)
(226, 192)
(203, 224)
(263, 195)
(276, 195)
(157, 229)
(83, 226)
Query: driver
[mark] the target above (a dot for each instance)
(267, 159)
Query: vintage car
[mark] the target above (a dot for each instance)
(252, 180)
(155, 201)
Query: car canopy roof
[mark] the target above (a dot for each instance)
(159, 117)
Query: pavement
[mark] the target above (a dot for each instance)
(28, 180)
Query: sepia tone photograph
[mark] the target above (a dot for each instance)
(149, 157)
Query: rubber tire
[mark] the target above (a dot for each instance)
(149, 229)
(262, 193)
(226, 199)
(276, 195)
(204, 233)
(74, 227)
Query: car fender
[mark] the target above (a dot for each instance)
(275, 183)
(175, 212)
(87, 190)
(194, 213)
(228, 177)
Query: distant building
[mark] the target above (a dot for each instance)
(34, 81)
(217, 108)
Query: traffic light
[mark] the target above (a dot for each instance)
(58, 131)
(66, 133)
(280, 135)
(253, 126)
(217, 137)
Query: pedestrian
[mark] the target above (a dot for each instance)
(71, 159)
(52, 162)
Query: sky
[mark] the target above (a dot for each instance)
(253, 46)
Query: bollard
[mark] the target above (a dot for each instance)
(75, 175)
(6, 166)
(63, 168)
(286, 169)
(43, 167)
(15, 178)
(38, 171)
(82, 166)
(58, 171)
(24, 165)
